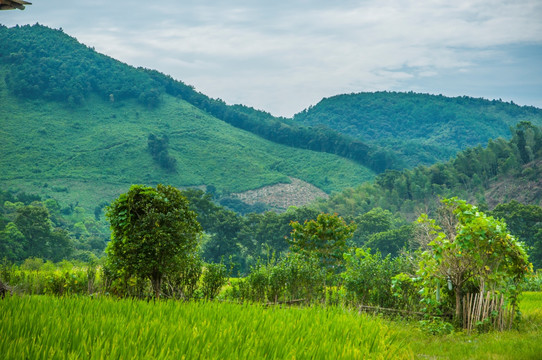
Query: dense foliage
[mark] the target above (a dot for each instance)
(324, 238)
(487, 176)
(469, 252)
(158, 148)
(525, 222)
(247, 238)
(30, 227)
(470, 175)
(418, 128)
(153, 233)
(49, 64)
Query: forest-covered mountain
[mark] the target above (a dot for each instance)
(58, 91)
(418, 128)
(82, 127)
(42, 63)
(497, 173)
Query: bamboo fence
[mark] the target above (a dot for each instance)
(486, 307)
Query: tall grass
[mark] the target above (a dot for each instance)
(39, 327)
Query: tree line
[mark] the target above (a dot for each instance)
(32, 227)
(156, 244)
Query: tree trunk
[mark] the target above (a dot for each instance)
(458, 298)
(156, 282)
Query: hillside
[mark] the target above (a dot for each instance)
(77, 125)
(81, 127)
(501, 172)
(418, 128)
(42, 63)
(93, 151)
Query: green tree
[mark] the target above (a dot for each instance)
(391, 241)
(214, 277)
(11, 243)
(525, 222)
(33, 222)
(324, 238)
(374, 221)
(152, 232)
(470, 250)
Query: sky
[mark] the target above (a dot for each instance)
(284, 56)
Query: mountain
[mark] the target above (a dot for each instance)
(418, 128)
(82, 127)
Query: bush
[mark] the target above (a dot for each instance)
(368, 278)
(294, 277)
(214, 277)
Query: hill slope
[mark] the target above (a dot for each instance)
(100, 148)
(90, 152)
(419, 128)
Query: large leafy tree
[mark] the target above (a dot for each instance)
(153, 232)
(470, 250)
(32, 234)
(34, 223)
(325, 238)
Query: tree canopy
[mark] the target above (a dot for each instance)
(325, 238)
(153, 232)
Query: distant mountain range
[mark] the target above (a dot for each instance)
(81, 127)
(418, 128)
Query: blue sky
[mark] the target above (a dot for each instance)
(283, 56)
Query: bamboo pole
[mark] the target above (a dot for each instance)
(469, 316)
(486, 305)
(466, 315)
(471, 306)
(501, 313)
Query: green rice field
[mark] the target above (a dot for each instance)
(46, 327)
(43, 327)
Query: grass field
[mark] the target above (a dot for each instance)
(42, 327)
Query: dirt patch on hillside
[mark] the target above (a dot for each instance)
(526, 189)
(282, 196)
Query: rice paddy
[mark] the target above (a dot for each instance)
(82, 327)
(44, 327)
